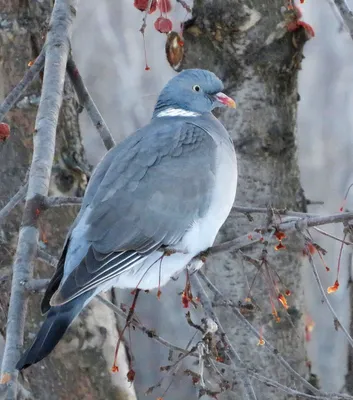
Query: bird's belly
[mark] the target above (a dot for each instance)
(203, 232)
(155, 271)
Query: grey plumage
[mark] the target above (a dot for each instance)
(140, 226)
(169, 185)
(52, 330)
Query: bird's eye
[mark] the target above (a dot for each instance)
(196, 88)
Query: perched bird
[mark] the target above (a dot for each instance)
(153, 203)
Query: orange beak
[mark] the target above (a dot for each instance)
(224, 99)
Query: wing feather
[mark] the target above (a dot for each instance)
(81, 280)
(155, 185)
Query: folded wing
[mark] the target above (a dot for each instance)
(155, 185)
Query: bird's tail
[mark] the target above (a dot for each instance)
(57, 321)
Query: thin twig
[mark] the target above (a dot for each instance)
(36, 285)
(332, 236)
(345, 13)
(261, 210)
(16, 92)
(185, 5)
(294, 392)
(144, 19)
(314, 202)
(233, 354)
(49, 259)
(40, 284)
(286, 226)
(286, 389)
(46, 203)
(326, 300)
(266, 344)
(149, 332)
(56, 52)
(304, 223)
(87, 102)
(235, 244)
(62, 201)
(207, 305)
(16, 199)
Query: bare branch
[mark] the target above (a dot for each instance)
(29, 76)
(314, 202)
(294, 392)
(235, 244)
(87, 102)
(207, 305)
(267, 345)
(62, 201)
(49, 259)
(304, 223)
(47, 202)
(40, 284)
(17, 198)
(322, 290)
(286, 226)
(261, 210)
(149, 332)
(332, 236)
(56, 52)
(144, 19)
(345, 13)
(36, 285)
(185, 5)
(234, 356)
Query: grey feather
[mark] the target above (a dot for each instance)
(172, 183)
(133, 204)
(148, 198)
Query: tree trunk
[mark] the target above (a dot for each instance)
(233, 39)
(80, 366)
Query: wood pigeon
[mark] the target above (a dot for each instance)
(169, 186)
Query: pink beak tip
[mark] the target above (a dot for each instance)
(224, 99)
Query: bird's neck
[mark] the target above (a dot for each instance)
(174, 112)
(166, 107)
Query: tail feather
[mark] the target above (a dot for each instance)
(58, 320)
(55, 280)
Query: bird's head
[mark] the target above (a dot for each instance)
(194, 91)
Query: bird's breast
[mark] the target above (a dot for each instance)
(204, 230)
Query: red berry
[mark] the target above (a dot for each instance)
(131, 375)
(143, 4)
(163, 25)
(4, 131)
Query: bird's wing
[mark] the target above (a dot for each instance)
(156, 186)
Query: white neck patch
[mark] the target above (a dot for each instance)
(177, 112)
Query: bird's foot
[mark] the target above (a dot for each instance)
(187, 296)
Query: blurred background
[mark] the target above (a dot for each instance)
(108, 48)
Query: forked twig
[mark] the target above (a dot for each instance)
(326, 300)
(87, 102)
(17, 91)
